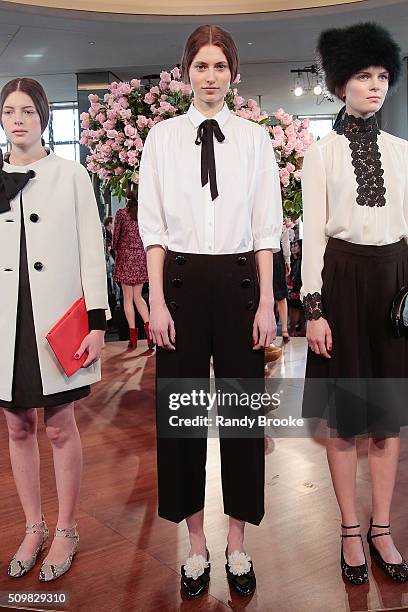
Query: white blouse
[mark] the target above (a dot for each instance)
(176, 212)
(330, 209)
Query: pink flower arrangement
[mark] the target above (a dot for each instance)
(115, 128)
(290, 139)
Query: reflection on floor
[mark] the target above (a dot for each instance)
(129, 559)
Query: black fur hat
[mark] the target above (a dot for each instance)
(344, 51)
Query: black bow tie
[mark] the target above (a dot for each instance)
(11, 183)
(205, 132)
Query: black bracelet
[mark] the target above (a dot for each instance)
(313, 306)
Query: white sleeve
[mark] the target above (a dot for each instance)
(314, 220)
(406, 186)
(151, 218)
(267, 217)
(90, 242)
(285, 243)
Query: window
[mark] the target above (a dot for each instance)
(320, 125)
(62, 133)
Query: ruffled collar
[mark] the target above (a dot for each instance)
(353, 127)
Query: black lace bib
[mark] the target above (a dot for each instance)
(362, 135)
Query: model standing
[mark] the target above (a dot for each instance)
(210, 217)
(130, 266)
(52, 252)
(355, 260)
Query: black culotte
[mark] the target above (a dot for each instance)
(213, 300)
(362, 390)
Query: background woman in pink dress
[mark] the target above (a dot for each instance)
(130, 266)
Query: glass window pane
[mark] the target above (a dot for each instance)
(63, 124)
(3, 138)
(46, 136)
(68, 151)
(320, 127)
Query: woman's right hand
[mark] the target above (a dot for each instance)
(319, 337)
(161, 326)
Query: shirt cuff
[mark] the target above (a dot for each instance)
(267, 243)
(97, 319)
(153, 240)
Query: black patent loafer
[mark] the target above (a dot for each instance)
(195, 576)
(240, 573)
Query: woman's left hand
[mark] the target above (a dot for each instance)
(264, 328)
(93, 343)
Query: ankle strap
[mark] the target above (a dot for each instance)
(380, 526)
(36, 527)
(349, 526)
(67, 532)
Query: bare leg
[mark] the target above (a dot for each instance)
(25, 463)
(63, 434)
(342, 458)
(140, 303)
(128, 305)
(236, 535)
(383, 456)
(283, 315)
(195, 524)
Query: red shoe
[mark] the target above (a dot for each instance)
(133, 338)
(150, 342)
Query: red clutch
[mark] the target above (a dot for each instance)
(66, 336)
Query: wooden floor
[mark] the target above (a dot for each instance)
(129, 559)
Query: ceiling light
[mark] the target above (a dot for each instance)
(91, 42)
(250, 43)
(317, 90)
(34, 55)
(298, 91)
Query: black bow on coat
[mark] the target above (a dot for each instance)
(11, 183)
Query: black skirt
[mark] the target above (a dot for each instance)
(363, 389)
(27, 390)
(280, 288)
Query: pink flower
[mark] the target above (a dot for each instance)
(155, 90)
(297, 174)
(106, 148)
(135, 179)
(85, 121)
(118, 171)
(176, 73)
(252, 103)
(175, 86)
(111, 133)
(135, 83)
(123, 102)
(100, 118)
(125, 113)
(163, 85)
(237, 79)
(123, 156)
(142, 122)
(130, 130)
(132, 158)
(149, 98)
(108, 125)
(93, 98)
(290, 167)
(306, 123)
(284, 177)
(138, 142)
(125, 89)
(165, 76)
(287, 119)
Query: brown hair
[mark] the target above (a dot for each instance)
(210, 35)
(36, 92)
(131, 201)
